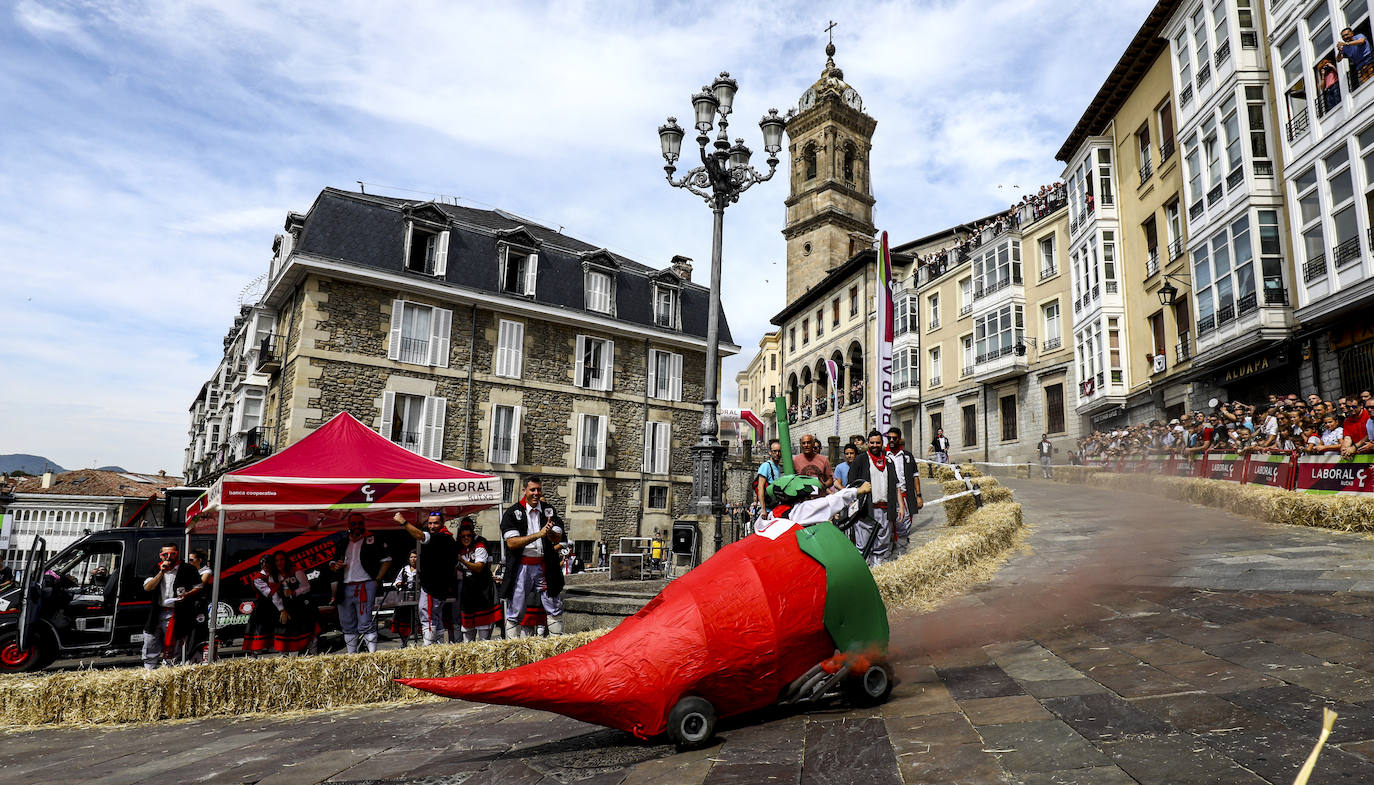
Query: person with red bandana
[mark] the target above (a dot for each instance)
(170, 617)
(873, 530)
(361, 560)
(532, 530)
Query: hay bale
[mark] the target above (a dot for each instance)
(269, 684)
(950, 564)
(958, 510)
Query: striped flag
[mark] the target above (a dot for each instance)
(882, 414)
(835, 392)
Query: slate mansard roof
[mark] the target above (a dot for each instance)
(369, 230)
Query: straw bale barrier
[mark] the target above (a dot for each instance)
(1275, 505)
(248, 685)
(922, 578)
(1020, 470)
(958, 510)
(949, 565)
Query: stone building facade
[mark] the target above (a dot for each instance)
(485, 341)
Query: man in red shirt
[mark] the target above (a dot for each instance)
(811, 463)
(1355, 426)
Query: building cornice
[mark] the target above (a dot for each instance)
(829, 216)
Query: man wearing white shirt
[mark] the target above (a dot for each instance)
(362, 561)
(532, 530)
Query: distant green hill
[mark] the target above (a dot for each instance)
(32, 464)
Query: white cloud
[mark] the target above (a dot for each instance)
(147, 175)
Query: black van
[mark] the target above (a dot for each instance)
(75, 611)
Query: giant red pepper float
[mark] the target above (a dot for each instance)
(759, 622)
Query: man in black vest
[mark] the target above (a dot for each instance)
(873, 531)
(171, 615)
(438, 573)
(939, 447)
(532, 531)
(361, 561)
(911, 483)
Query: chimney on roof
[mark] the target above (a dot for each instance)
(47, 479)
(681, 267)
(162, 473)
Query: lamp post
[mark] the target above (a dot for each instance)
(723, 175)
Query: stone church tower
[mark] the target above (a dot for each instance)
(830, 204)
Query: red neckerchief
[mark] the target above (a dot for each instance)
(781, 510)
(880, 462)
(272, 586)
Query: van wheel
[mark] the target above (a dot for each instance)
(691, 723)
(16, 660)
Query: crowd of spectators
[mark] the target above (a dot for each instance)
(1032, 207)
(810, 408)
(1344, 426)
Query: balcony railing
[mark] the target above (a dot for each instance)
(1246, 304)
(1223, 52)
(1146, 169)
(269, 356)
(1249, 39)
(407, 439)
(1107, 200)
(1176, 248)
(967, 370)
(934, 324)
(1166, 149)
(257, 442)
(1110, 287)
(1346, 252)
(1204, 75)
(1195, 210)
(1327, 99)
(1183, 350)
(1101, 379)
(1073, 225)
(980, 292)
(966, 309)
(1214, 194)
(1358, 76)
(1152, 262)
(1298, 125)
(994, 354)
(1235, 178)
(1048, 272)
(1051, 344)
(1077, 305)
(1225, 314)
(1275, 296)
(1206, 324)
(1264, 168)
(934, 381)
(1314, 269)
(1097, 291)
(1185, 95)
(414, 350)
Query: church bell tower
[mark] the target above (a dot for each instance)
(830, 202)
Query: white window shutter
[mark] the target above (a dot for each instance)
(653, 373)
(515, 434)
(675, 383)
(578, 448)
(441, 255)
(531, 273)
(607, 363)
(492, 436)
(502, 359)
(288, 242)
(441, 322)
(393, 350)
(502, 260)
(517, 349)
(388, 404)
(664, 441)
(649, 447)
(410, 231)
(579, 366)
(601, 441)
(435, 409)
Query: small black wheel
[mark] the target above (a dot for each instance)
(872, 687)
(691, 722)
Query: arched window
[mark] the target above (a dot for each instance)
(809, 157)
(849, 162)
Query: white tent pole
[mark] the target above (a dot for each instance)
(213, 620)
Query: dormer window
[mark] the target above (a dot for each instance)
(666, 305)
(598, 278)
(426, 243)
(519, 270)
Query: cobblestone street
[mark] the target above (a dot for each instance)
(1138, 640)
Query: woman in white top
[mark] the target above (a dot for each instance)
(404, 619)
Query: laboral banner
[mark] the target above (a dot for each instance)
(1273, 470)
(1225, 466)
(1333, 474)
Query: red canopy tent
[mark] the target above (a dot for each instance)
(341, 468)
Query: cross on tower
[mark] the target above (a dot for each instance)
(830, 30)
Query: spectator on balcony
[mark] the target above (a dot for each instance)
(1331, 84)
(1355, 47)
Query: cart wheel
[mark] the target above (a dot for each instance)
(872, 687)
(691, 722)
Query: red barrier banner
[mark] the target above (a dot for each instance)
(1157, 464)
(1326, 474)
(1225, 466)
(1273, 469)
(1199, 466)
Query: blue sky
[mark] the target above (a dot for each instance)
(151, 150)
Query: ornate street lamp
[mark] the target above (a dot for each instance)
(1168, 292)
(723, 175)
